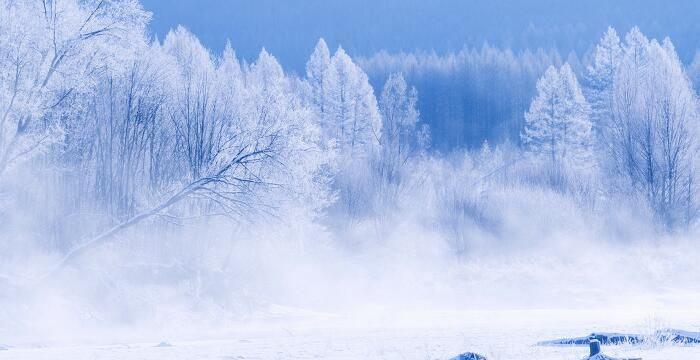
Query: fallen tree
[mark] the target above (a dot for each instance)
(226, 188)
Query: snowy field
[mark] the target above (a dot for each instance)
(296, 334)
(168, 197)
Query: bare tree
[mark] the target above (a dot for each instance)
(654, 109)
(231, 149)
(53, 49)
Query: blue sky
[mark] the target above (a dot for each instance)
(290, 28)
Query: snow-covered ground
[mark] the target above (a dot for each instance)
(287, 333)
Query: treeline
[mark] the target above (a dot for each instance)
(103, 129)
(636, 130)
(472, 95)
(478, 94)
(621, 123)
(204, 178)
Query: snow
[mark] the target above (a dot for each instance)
(236, 210)
(508, 334)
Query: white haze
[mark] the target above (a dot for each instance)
(210, 278)
(246, 201)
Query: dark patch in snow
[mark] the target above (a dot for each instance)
(164, 344)
(594, 345)
(605, 357)
(604, 338)
(469, 356)
(678, 336)
(4, 347)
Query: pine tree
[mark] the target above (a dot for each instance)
(320, 75)
(557, 126)
(601, 73)
(357, 120)
(344, 102)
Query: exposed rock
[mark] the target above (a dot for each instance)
(469, 356)
(677, 336)
(605, 357)
(594, 345)
(605, 338)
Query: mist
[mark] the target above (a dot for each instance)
(182, 199)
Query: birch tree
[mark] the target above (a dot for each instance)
(401, 138)
(655, 113)
(49, 52)
(241, 152)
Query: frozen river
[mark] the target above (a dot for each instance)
(414, 335)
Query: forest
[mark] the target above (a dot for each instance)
(143, 180)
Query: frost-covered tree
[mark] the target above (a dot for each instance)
(126, 133)
(346, 107)
(401, 138)
(557, 126)
(626, 97)
(601, 75)
(402, 142)
(242, 143)
(50, 53)
(357, 124)
(694, 71)
(469, 96)
(322, 79)
(198, 116)
(344, 101)
(655, 127)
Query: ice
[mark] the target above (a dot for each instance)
(420, 335)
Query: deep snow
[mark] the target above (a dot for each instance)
(288, 333)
